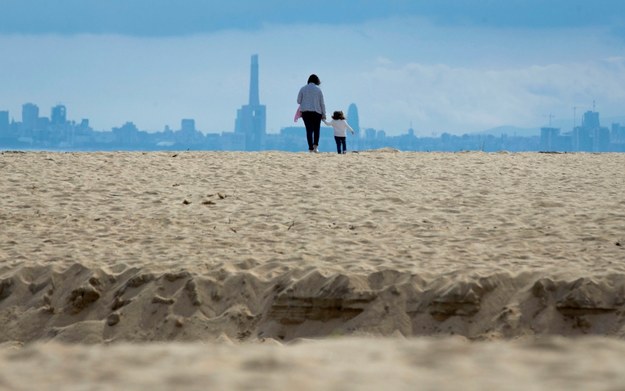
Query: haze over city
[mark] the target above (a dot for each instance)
(445, 66)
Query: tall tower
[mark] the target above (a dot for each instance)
(352, 118)
(252, 118)
(254, 95)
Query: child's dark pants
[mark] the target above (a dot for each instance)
(341, 144)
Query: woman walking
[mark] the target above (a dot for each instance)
(313, 108)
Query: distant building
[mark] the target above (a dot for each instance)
(617, 134)
(84, 124)
(549, 139)
(188, 134)
(4, 121)
(251, 118)
(353, 120)
(591, 120)
(127, 134)
(232, 141)
(30, 115)
(581, 139)
(591, 137)
(601, 139)
(58, 116)
(582, 135)
(187, 125)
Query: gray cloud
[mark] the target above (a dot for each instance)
(399, 72)
(185, 17)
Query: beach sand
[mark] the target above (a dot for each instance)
(380, 268)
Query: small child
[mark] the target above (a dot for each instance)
(340, 126)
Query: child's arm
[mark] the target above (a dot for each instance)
(326, 122)
(349, 127)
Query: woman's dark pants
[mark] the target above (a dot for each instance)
(312, 121)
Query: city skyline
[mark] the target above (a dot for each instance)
(565, 124)
(448, 66)
(250, 120)
(57, 132)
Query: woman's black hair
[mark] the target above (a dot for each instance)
(314, 79)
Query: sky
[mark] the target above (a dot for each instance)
(455, 66)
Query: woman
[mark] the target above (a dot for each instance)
(313, 108)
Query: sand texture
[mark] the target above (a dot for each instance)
(341, 364)
(273, 247)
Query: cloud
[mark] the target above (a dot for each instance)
(442, 98)
(186, 17)
(397, 70)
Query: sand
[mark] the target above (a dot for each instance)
(211, 257)
(329, 364)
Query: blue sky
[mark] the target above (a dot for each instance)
(442, 66)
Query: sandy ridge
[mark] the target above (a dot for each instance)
(157, 246)
(83, 305)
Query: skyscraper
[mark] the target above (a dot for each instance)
(590, 123)
(548, 138)
(352, 118)
(251, 118)
(30, 116)
(4, 121)
(58, 116)
(591, 120)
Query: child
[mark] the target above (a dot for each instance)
(340, 126)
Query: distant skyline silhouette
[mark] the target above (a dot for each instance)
(57, 132)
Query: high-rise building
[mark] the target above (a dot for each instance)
(188, 133)
(591, 136)
(352, 118)
(617, 134)
(58, 116)
(30, 116)
(4, 121)
(187, 125)
(251, 118)
(591, 120)
(601, 139)
(548, 138)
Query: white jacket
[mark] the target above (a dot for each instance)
(340, 126)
